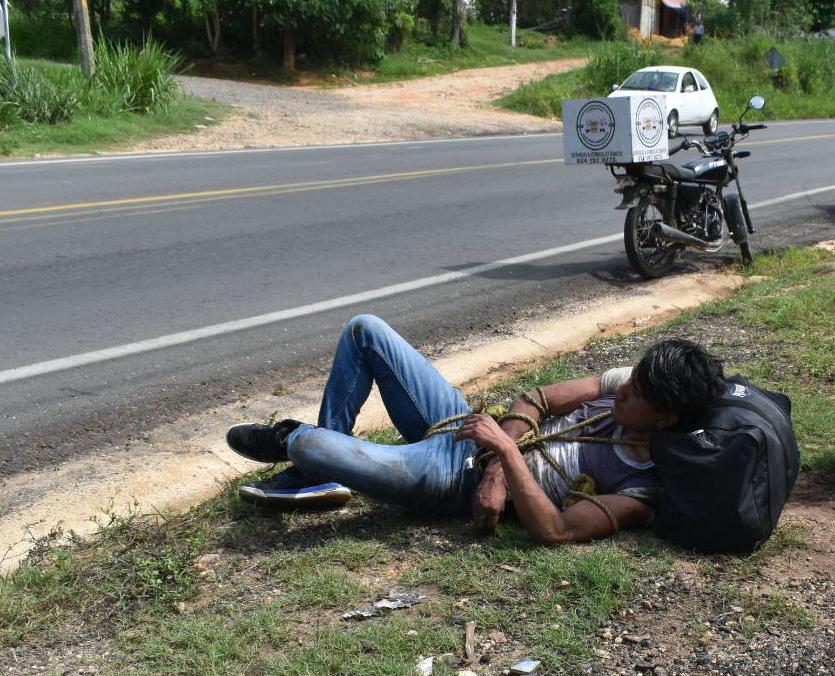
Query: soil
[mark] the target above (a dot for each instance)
(686, 624)
(452, 105)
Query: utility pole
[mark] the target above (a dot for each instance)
(6, 30)
(85, 38)
(512, 23)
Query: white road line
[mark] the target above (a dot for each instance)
(174, 339)
(242, 151)
(791, 196)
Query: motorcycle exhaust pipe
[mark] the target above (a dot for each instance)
(668, 234)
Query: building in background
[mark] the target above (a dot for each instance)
(656, 17)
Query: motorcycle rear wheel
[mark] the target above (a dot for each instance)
(649, 257)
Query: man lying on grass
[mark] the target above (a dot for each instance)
(675, 383)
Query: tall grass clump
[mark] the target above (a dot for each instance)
(610, 64)
(737, 69)
(615, 62)
(138, 79)
(27, 95)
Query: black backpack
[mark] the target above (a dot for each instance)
(724, 485)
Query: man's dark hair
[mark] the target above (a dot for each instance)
(680, 377)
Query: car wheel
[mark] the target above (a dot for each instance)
(672, 124)
(712, 123)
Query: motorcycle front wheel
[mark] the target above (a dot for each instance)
(648, 256)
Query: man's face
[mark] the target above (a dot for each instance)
(635, 413)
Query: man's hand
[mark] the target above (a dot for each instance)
(490, 498)
(486, 433)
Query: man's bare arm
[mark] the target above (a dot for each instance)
(580, 522)
(560, 398)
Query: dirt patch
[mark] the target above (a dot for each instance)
(452, 105)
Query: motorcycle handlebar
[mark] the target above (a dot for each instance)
(759, 125)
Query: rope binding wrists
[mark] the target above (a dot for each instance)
(581, 488)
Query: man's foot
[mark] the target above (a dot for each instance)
(292, 488)
(262, 443)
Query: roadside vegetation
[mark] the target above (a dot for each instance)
(47, 107)
(736, 69)
(228, 589)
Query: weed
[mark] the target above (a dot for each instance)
(736, 69)
(138, 79)
(29, 96)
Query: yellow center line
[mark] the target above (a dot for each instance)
(280, 187)
(787, 140)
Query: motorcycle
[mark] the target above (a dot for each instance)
(671, 208)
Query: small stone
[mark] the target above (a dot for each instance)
(602, 654)
(412, 632)
(467, 672)
(497, 637)
(564, 583)
(647, 604)
(618, 639)
(736, 609)
(181, 607)
(633, 638)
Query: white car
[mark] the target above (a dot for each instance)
(690, 100)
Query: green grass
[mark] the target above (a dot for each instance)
(487, 46)
(103, 120)
(271, 599)
(736, 70)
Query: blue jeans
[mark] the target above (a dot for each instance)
(433, 476)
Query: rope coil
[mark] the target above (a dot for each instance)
(581, 488)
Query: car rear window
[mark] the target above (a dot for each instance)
(702, 82)
(654, 81)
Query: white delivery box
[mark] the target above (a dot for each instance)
(618, 130)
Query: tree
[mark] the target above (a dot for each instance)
(85, 38)
(459, 38)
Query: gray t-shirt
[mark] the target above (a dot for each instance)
(611, 467)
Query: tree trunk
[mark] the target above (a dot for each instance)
(212, 19)
(289, 49)
(458, 39)
(256, 45)
(85, 38)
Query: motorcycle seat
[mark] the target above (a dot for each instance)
(658, 169)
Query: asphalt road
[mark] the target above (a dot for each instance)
(135, 288)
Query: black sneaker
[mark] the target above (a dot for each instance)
(262, 443)
(292, 488)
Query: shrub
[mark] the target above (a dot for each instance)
(29, 96)
(137, 79)
(598, 19)
(615, 61)
(47, 34)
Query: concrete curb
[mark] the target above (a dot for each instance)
(185, 462)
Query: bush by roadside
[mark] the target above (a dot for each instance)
(227, 589)
(736, 69)
(48, 107)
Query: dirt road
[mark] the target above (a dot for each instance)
(456, 104)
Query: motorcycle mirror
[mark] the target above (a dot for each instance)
(757, 103)
(615, 87)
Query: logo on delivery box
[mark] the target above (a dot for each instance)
(595, 125)
(649, 122)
